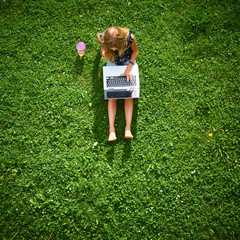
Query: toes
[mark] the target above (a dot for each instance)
(112, 137)
(128, 134)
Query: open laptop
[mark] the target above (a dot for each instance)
(116, 86)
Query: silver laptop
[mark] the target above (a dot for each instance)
(116, 86)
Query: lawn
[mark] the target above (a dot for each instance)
(179, 178)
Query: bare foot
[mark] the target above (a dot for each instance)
(128, 134)
(112, 137)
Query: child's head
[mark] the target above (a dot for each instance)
(115, 38)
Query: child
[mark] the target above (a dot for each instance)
(119, 47)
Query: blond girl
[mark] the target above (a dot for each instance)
(119, 47)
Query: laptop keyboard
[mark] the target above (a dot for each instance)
(120, 81)
(119, 94)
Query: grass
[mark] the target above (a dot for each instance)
(178, 178)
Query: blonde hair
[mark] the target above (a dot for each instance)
(115, 37)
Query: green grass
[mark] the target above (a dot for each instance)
(177, 179)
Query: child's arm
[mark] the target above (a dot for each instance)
(128, 71)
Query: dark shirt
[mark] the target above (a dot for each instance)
(126, 56)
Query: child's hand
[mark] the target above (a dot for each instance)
(128, 74)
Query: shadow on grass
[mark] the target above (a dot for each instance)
(100, 125)
(100, 128)
(79, 65)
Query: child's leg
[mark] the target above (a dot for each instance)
(128, 106)
(112, 110)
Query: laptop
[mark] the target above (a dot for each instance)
(116, 86)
